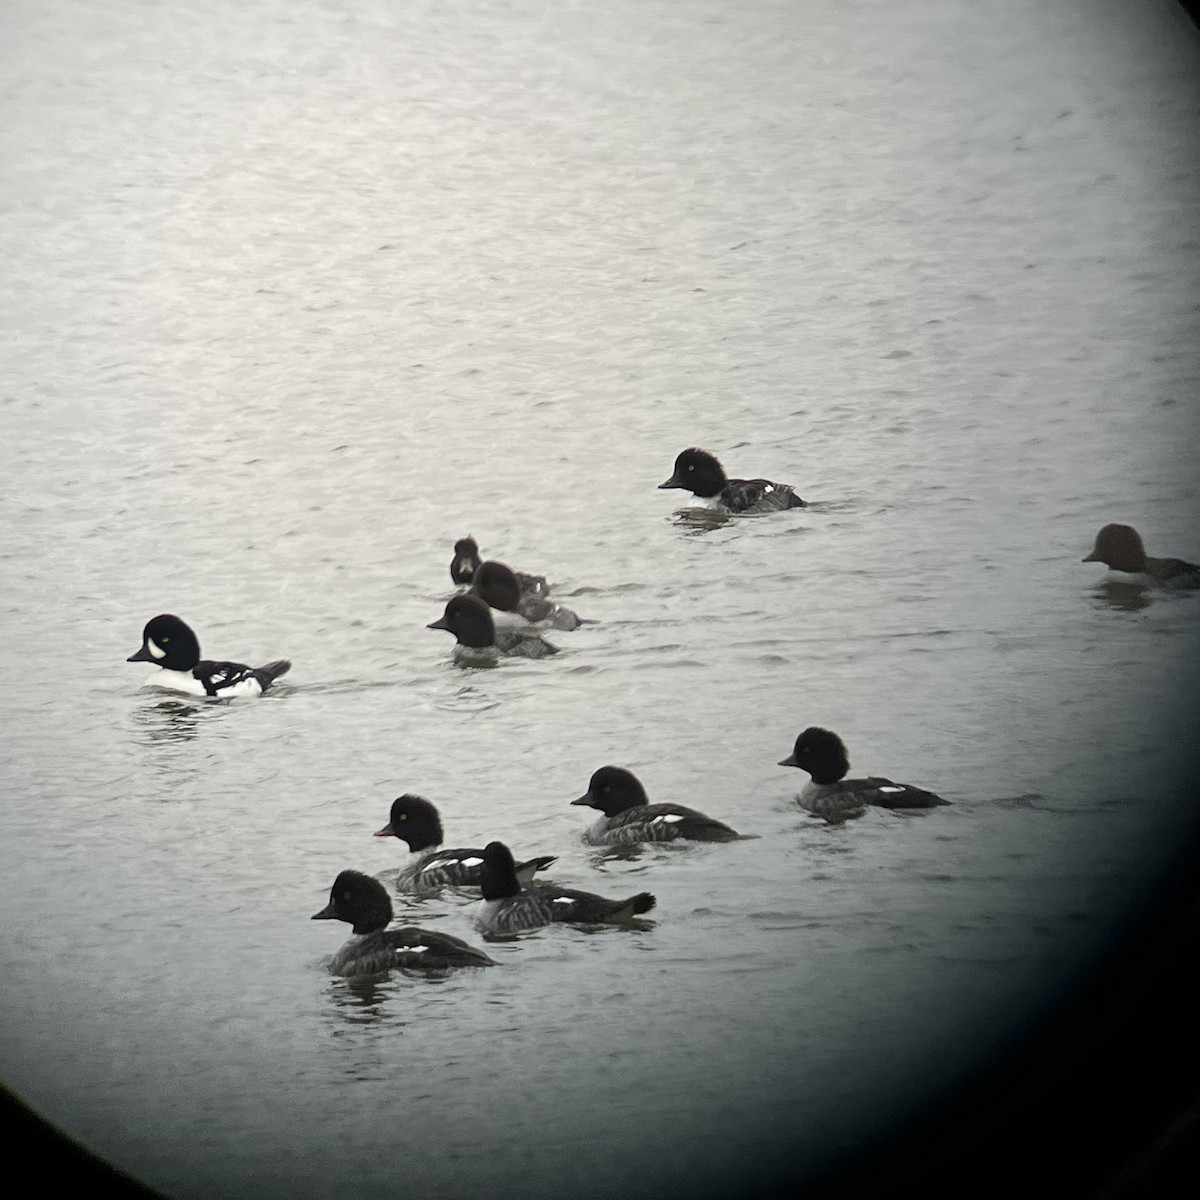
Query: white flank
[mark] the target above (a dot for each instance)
(185, 682)
(509, 620)
(176, 681)
(245, 687)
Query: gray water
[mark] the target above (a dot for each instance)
(297, 294)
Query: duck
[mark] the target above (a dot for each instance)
(498, 586)
(466, 562)
(1120, 548)
(507, 908)
(699, 472)
(363, 903)
(416, 822)
(172, 646)
(628, 816)
(822, 754)
(478, 643)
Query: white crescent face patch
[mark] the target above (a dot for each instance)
(156, 651)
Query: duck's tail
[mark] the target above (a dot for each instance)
(527, 870)
(269, 672)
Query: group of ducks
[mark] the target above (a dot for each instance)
(503, 612)
(512, 900)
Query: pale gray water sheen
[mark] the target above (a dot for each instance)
(295, 294)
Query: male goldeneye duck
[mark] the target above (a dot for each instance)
(630, 817)
(700, 473)
(507, 909)
(1120, 548)
(171, 645)
(496, 584)
(478, 641)
(823, 755)
(364, 904)
(415, 821)
(466, 562)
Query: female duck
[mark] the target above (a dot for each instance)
(628, 816)
(363, 903)
(506, 909)
(700, 473)
(478, 642)
(822, 754)
(415, 821)
(1120, 548)
(497, 585)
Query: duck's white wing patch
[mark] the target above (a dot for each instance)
(667, 819)
(238, 687)
(229, 679)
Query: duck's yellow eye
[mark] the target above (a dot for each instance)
(165, 641)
